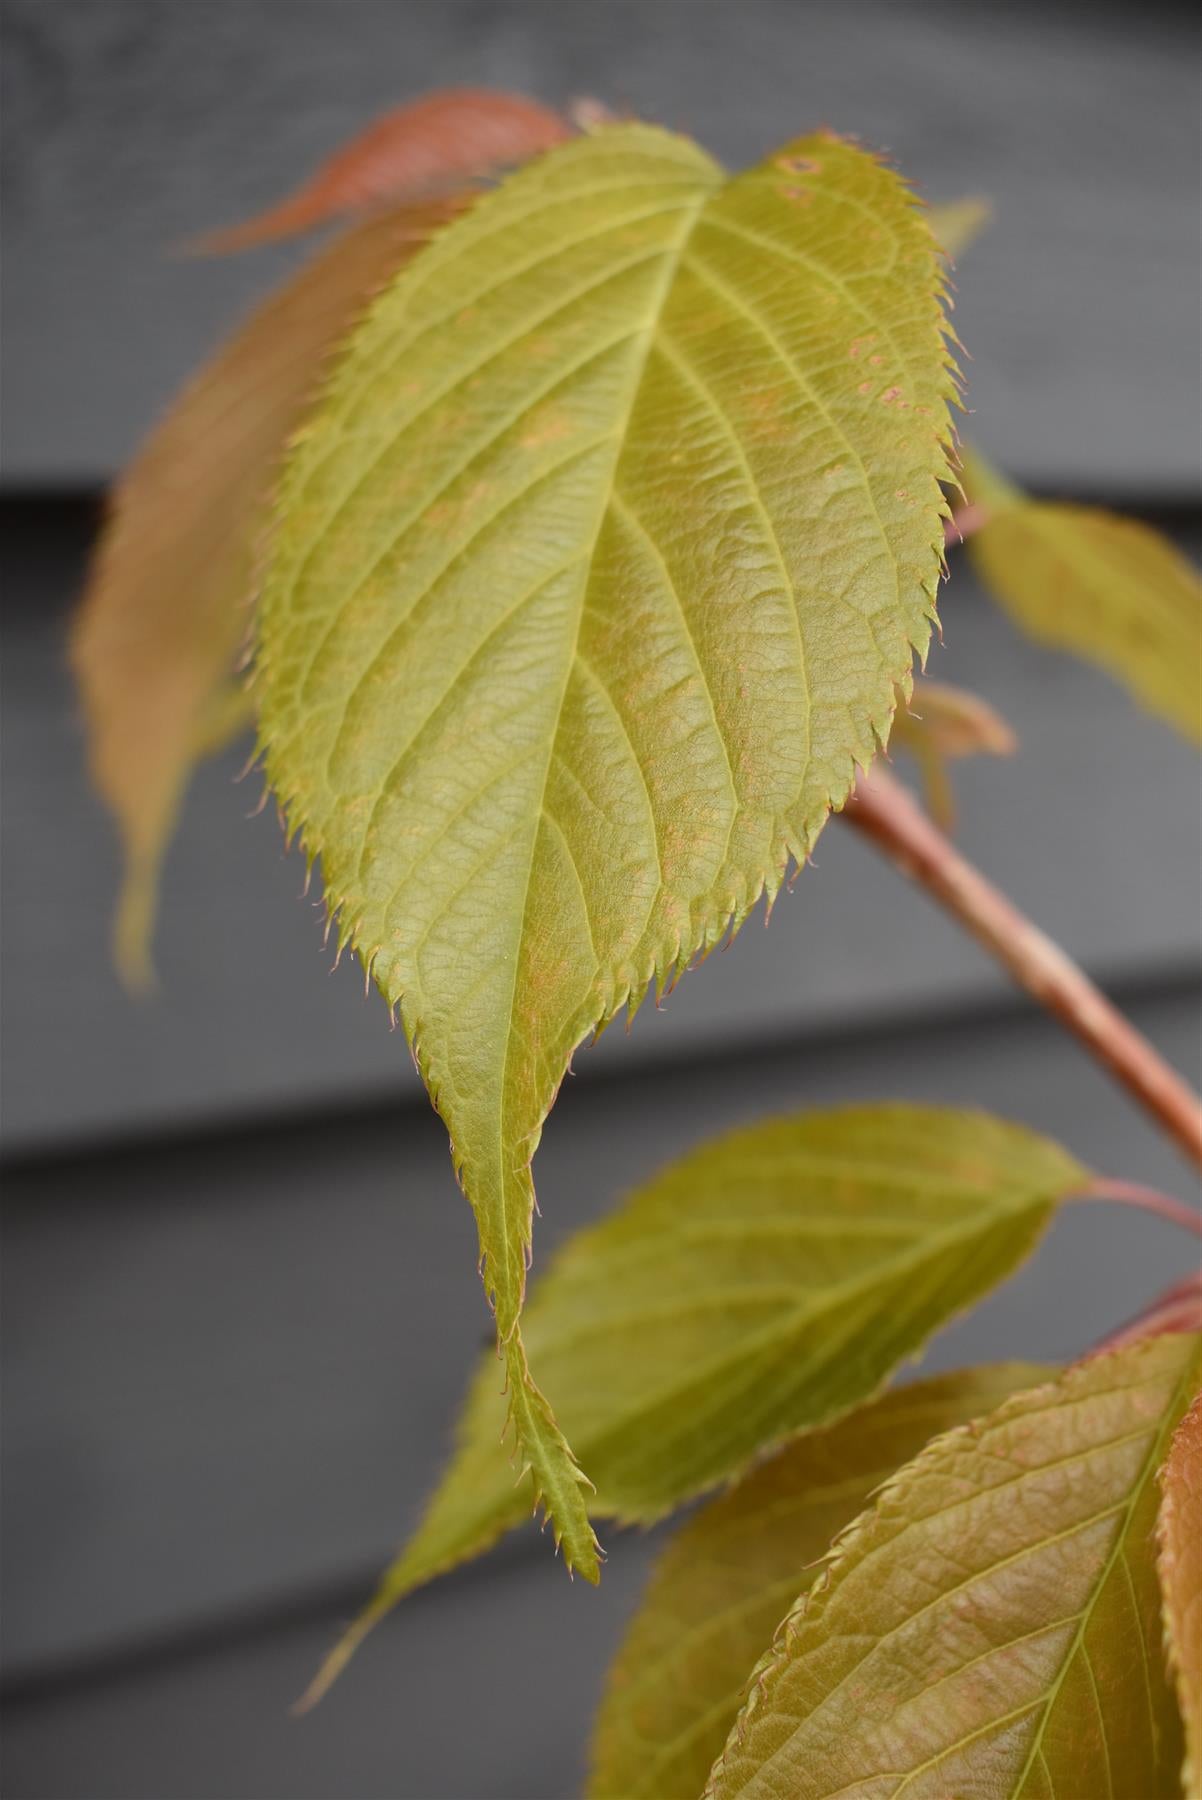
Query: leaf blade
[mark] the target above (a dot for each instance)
(1055, 1542)
(450, 138)
(727, 1578)
(1108, 589)
(514, 875)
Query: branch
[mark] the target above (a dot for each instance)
(884, 812)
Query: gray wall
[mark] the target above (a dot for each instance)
(238, 1299)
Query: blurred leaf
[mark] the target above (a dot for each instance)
(167, 605)
(939, 724)
(733, 1570)
(766, 1283)
(445, 140)
(992, 1625)
(959, 223)
(229, 712)
(595, 575)
(1109, 589)
(958, 722)
(1180, 1537)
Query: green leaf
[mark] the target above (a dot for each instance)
(992, 1625)
(730, 1574)
(768, 1282)
(1109, 589)
(594, 576)
(167, 605)
(1179, 1533)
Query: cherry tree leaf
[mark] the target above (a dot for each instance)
(166, 609)
(594, 577)
(939, 724)
(992, 1624)
(956, 721)
(733, 1570)
(1180, 1537)
(1178, 1308)
(444, 140)
(1110, 589)
(763, 1285)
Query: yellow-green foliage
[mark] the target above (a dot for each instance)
(1111, 590)
(595, 574)
(764, 1284)
(992, 1624)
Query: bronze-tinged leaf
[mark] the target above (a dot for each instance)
(595, 575)
(733, 1570)
(939, 724)
(1111, 590)
(445, 140)
(166, 608)
(991, 1626)
(1179, 1532)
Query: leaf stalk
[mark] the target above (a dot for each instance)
(882, 811)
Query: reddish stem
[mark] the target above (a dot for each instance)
(885, 813)
(1133, 1193)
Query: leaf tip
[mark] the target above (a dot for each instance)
(133, 928)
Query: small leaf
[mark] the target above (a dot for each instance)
(166, 609)
(1179, 1532)
(595, 574)
(956, 722)
(732, 1571)
(939, 724)
(959, 223)
(992, 1625)
(768, 1282)
(445, 140)
(1112, 590)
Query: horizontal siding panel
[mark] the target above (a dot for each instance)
(232, 1365)
(1094, 826)
(131, 128)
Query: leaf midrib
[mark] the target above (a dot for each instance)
(672, 256)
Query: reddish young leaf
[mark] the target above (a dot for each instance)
(157, 636)
(443, 140)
